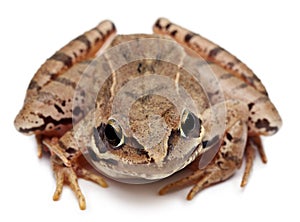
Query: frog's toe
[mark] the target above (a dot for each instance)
(69, 176)
(253, 143)
(183, 182)
(88, 175)
(66, 175)
(201, 179)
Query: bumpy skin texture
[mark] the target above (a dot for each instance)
(49, 112)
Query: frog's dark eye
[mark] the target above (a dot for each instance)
(190, 126)
(113, 134)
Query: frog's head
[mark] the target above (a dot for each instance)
(155, 141)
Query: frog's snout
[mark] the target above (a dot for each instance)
(28, 122)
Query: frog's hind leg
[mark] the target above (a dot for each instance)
(209, 51)
(79, 49)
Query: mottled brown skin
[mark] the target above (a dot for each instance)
(57, 72)
(210, 51)
(47, 113)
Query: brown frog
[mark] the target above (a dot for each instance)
(138, 108)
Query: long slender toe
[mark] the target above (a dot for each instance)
(87, 175)
(249, 155)
(182, 182)
(73, 182)
(59, 184)
(258, 143)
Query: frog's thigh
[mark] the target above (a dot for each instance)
(210, 51)
(221, 117)
(81, 48)
(233, 140)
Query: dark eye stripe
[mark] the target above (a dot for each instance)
(172, 141)
(97, 137)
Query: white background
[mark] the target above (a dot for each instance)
(264, 35)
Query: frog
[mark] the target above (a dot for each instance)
(139, 108)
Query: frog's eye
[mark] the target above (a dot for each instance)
(190, 126)
(113, 134)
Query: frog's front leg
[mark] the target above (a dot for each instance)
(228, 158)
(69, 165)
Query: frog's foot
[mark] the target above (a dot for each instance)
(69, 176)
